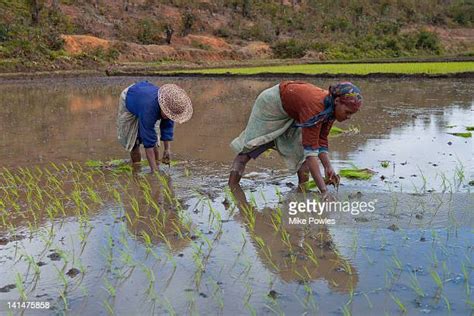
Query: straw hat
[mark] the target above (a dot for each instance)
(175, 103)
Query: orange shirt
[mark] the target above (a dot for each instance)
(302, 101)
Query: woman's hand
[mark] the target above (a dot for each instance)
(329, 173)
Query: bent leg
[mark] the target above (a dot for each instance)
(157, 155)
(135, 154)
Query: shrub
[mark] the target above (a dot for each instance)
(463, 14)
(426, 40)
(261, 31)
(53, 39)
(336, 24)
(148, 32)
(222, 32)
(387, 28)
(187, 22)
(4, 33)
(290, 49)
(200, 45)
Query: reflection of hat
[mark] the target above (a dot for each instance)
(175, 103)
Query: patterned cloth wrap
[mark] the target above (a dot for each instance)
(269, 122)
(127, 124)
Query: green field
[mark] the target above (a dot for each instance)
(430, 68)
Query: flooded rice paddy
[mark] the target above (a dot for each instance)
(95, 241)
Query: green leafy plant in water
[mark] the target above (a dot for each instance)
(469, 128)
(464, 135)
(361, 174)
(399, 303)
(336, 131)
(353, 173)
(385, 163)
(437, 279)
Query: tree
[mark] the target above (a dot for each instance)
(187, 21)
(246, 8)
(35, 8)
(169, 33)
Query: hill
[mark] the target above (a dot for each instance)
(74, 34)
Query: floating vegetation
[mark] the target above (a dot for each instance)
(336, 131)
(360, 174)
(462, 134)
(469, 128)
(385, 163)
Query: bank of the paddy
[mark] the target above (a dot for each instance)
(436, 69)
(439, 67)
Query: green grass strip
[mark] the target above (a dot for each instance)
(358, 69)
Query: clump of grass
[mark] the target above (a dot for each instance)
(116, 165)
(462, 134)
(336, 131)
(469, 128)
(360, 174)
(385, 163)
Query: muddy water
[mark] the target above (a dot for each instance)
(405, 122)
(224, 261)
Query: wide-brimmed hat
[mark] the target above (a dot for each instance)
(175, 103)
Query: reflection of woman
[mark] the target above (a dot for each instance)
(141, 106)
(152, 212)
(277, 113)
(308, 255)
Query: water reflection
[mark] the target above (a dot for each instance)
(295, 253)
(74, 119)
(153, 213)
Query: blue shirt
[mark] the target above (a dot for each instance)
(142, 101)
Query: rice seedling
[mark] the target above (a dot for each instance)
(437, 279)
(462, 134)
(448, 305)
(385, 163)
(312, 69)
(415, 285)
(399, 303)
(19, 283)
(108, 307)
(369, 302)
(247, 297)
(360, 174)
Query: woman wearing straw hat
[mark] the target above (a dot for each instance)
(143, 109)
(295, 117)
